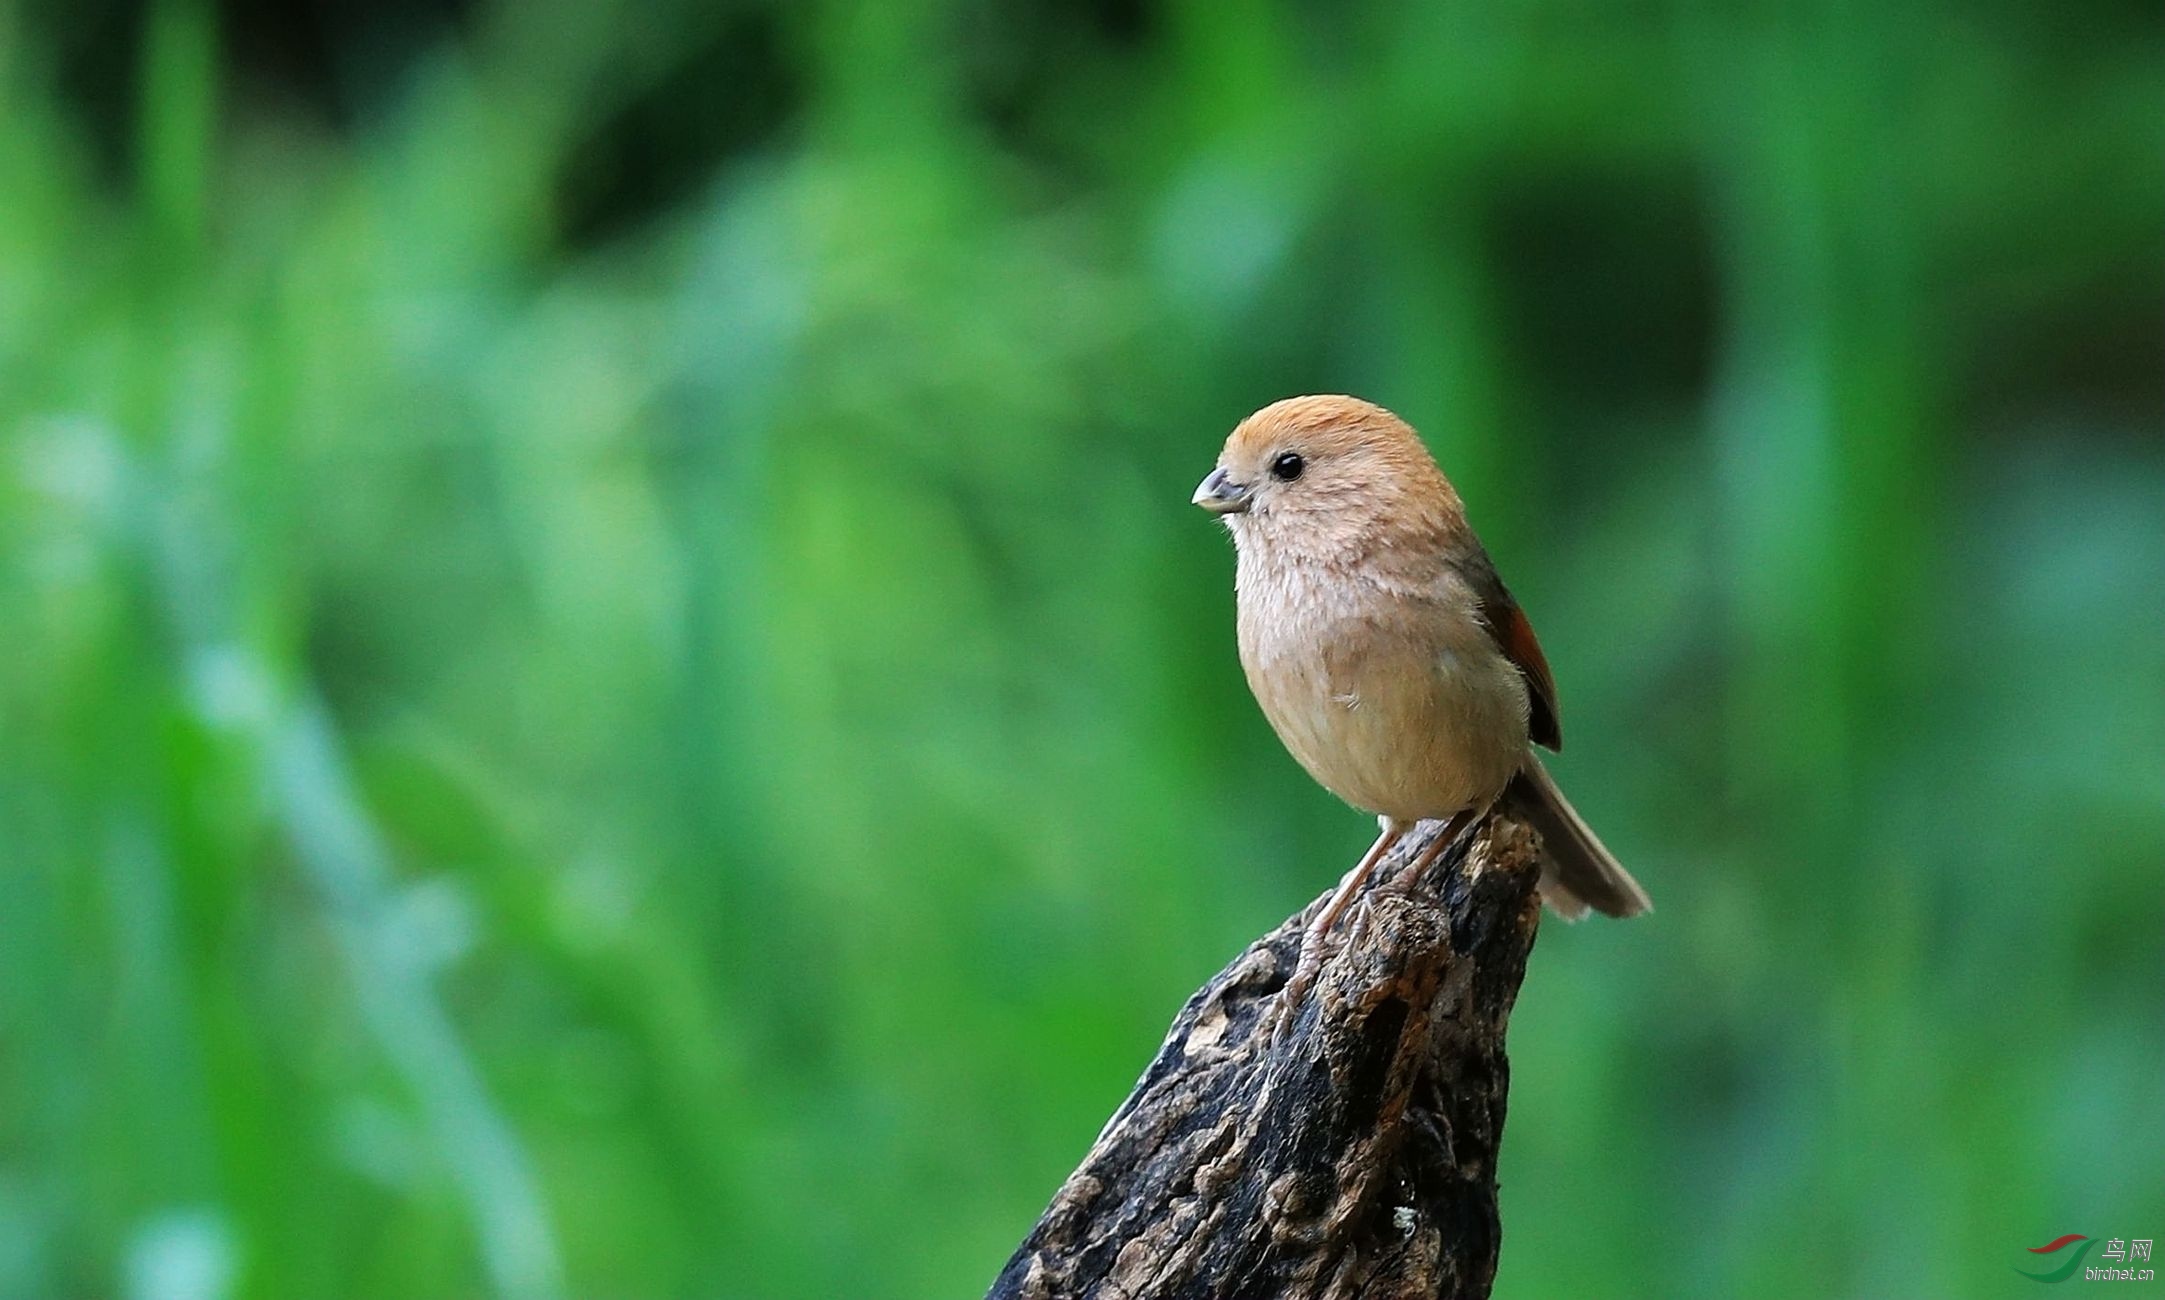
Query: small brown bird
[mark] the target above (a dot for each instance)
(1384, 649)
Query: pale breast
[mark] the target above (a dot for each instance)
(1397, 703)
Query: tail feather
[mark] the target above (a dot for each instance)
(1577, 871)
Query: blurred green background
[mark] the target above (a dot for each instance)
(610, 689)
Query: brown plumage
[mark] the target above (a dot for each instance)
(1385, 651)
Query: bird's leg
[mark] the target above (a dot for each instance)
(1390, 833)
(1310, 962)
(1452, 829)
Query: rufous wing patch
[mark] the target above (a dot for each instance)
(1515, 637)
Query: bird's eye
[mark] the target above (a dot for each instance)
(1287, 467)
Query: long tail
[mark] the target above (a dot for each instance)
(1577, 872)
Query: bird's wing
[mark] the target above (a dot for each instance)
(1514, 636)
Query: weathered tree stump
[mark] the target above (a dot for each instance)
(1355, 1155)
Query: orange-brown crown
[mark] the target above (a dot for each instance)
(1361, 470)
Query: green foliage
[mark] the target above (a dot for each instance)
(557, 743)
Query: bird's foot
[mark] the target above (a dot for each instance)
(1459, 825)
(1285, 1008)
(1352, 930)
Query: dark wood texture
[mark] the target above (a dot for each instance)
(1351, 1155)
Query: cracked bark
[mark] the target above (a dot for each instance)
(1354, 1156)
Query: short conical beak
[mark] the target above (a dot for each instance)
(1222, 496)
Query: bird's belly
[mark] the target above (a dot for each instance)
(1421, 733)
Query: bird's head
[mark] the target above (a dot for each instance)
(1324, 469)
